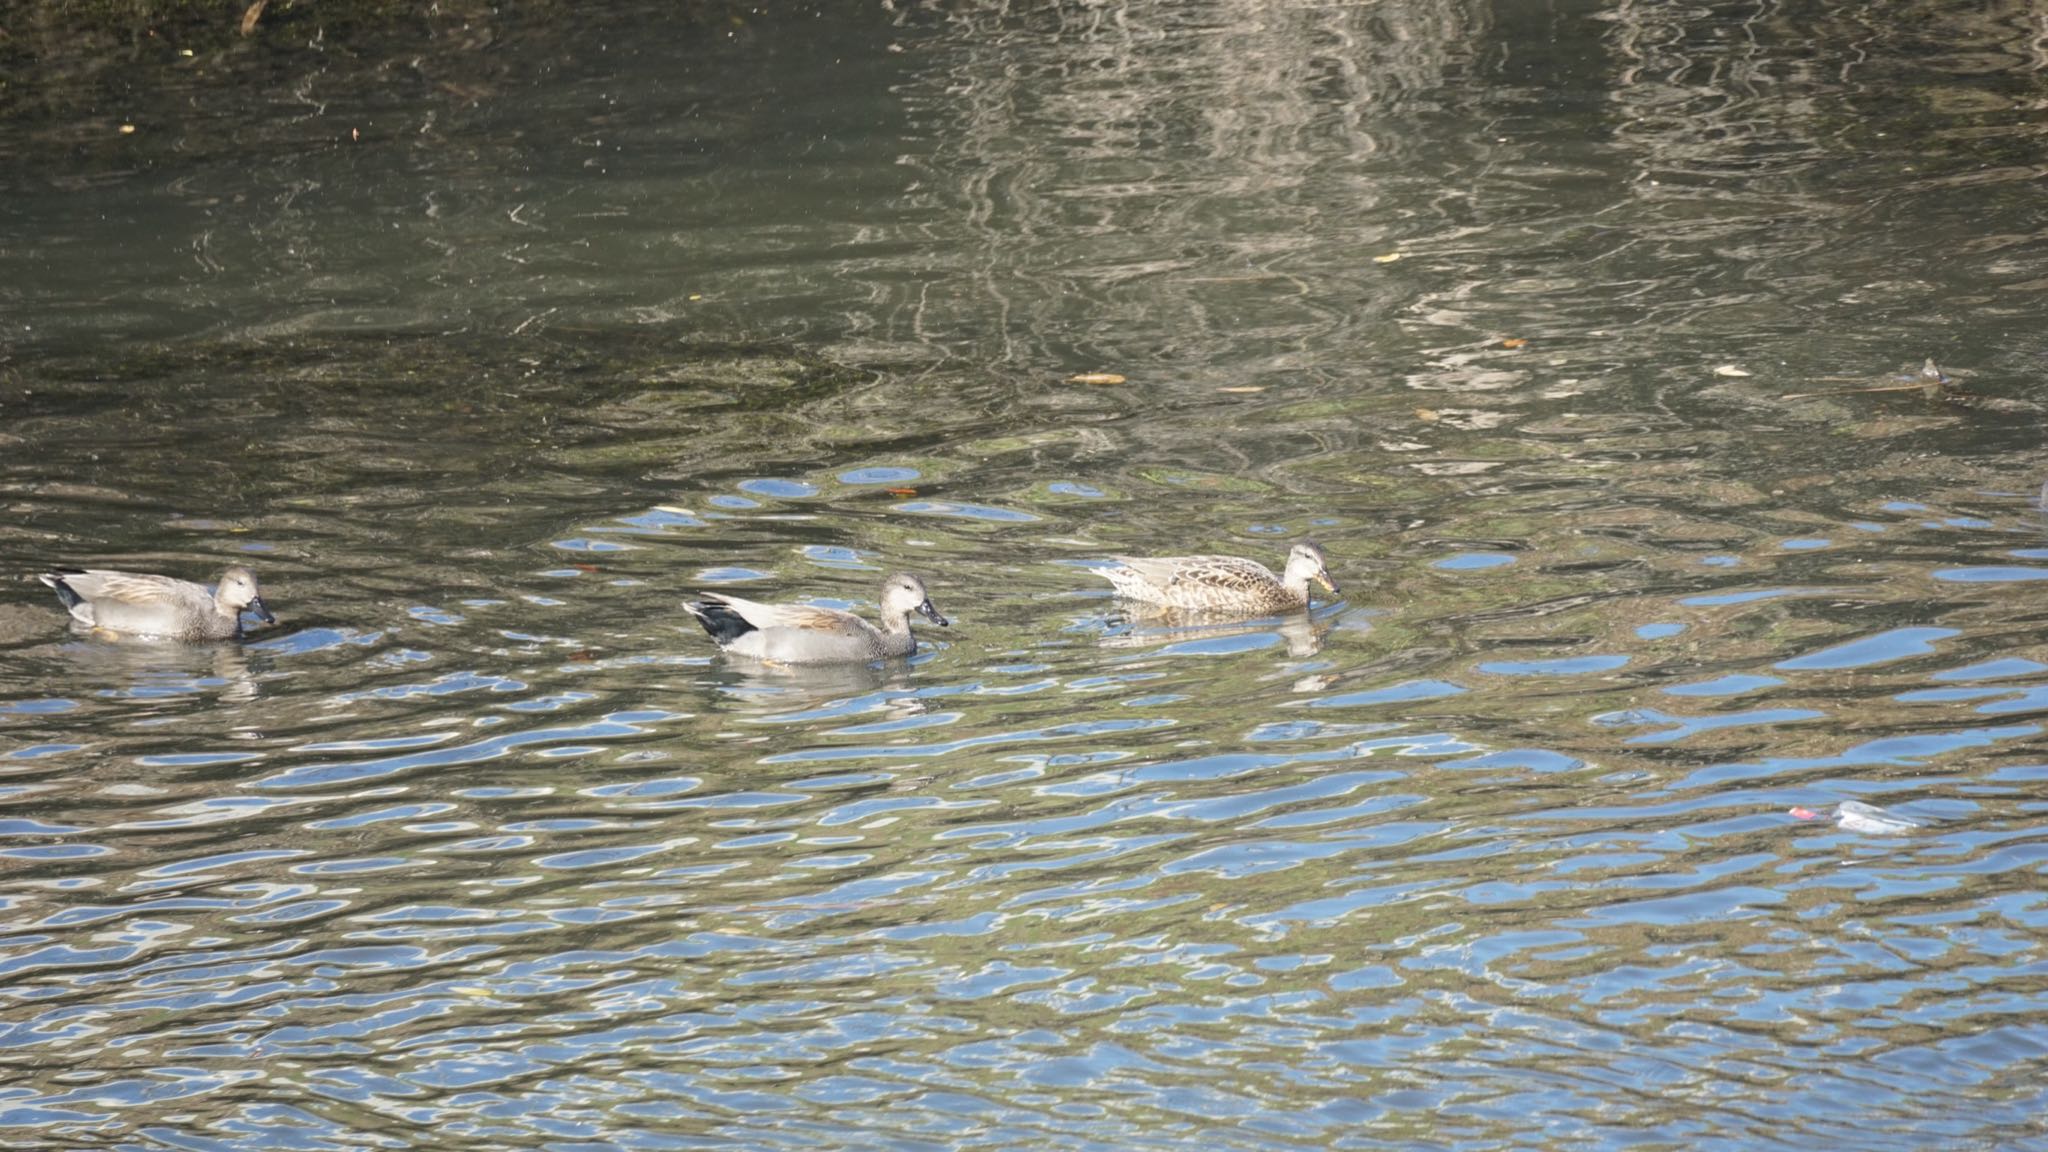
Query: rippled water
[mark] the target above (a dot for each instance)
(487, 342)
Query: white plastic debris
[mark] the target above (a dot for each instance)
(1868, 819)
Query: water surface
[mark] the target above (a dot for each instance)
(487, 340)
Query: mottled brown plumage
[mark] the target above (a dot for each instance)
(1221, 585)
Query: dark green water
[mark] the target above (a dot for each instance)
(488, 337)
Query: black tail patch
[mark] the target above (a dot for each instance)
(64, 592)
(724, 624)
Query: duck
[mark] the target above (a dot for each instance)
(145, 604)
(1221, 584)
(808, 634)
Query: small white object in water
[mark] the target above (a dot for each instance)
(1856, 816)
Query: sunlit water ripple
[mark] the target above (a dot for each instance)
(484, 846)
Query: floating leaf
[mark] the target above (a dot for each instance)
(1095, 378)
(901, 491)
(1514, 342)
(1389, 258)
(1426, 415)
(127, 129)
(1729, 370)
(1243, 388)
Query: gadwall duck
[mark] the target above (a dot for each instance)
(1221, 584)
(805, 634)
(142, 604)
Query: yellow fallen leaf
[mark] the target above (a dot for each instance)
(127, 129)
(1095, 378)
(1729, 370)
(1426, 415)
(1514, 342)
(1389, 258)
(1244, 388)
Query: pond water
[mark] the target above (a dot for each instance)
(487, 339)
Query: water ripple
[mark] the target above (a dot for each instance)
(1551, 329)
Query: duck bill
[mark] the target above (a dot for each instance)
(1328, 584)
(261, 610)
(932, 614)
